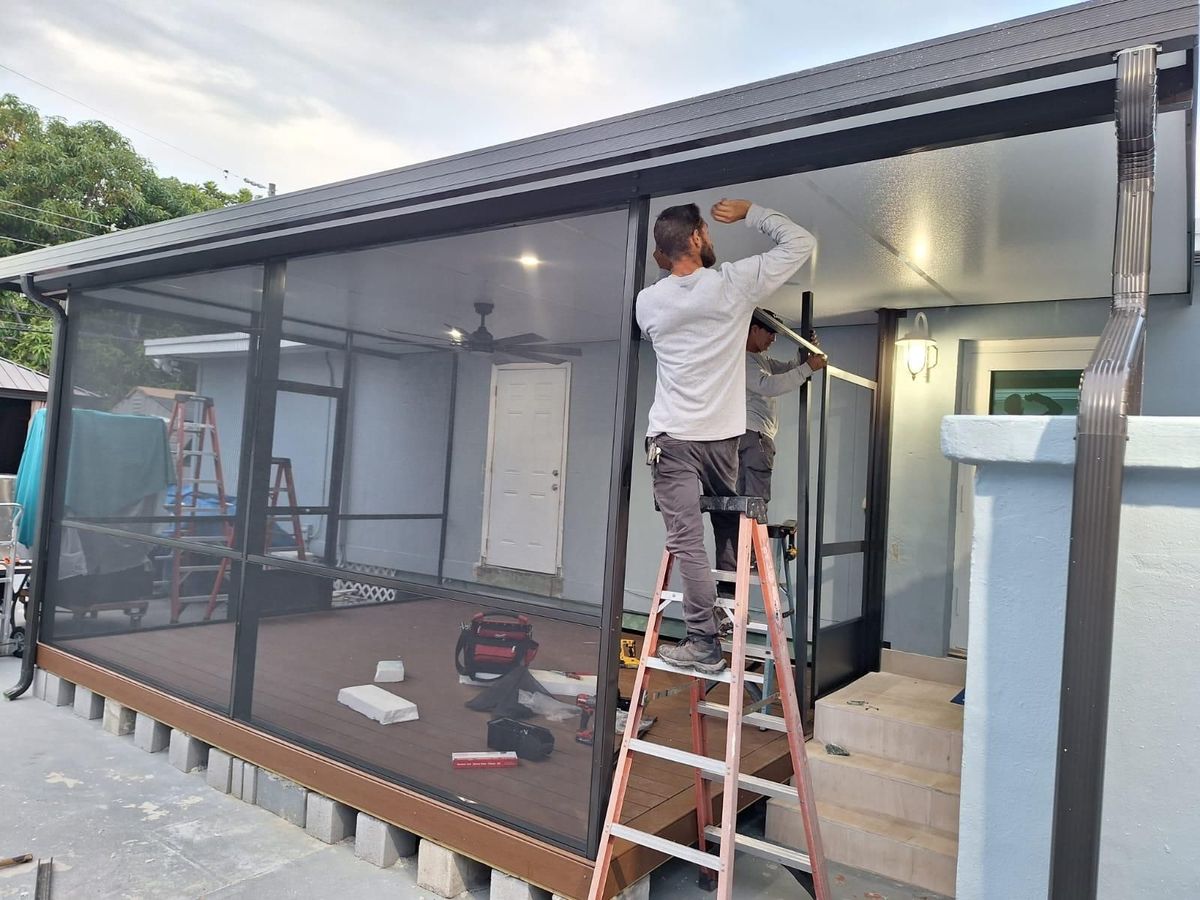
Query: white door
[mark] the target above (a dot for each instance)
(1027, 377)
(526, 458)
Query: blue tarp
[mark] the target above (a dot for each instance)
(114, 462)
(29, 476)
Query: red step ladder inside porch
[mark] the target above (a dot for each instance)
(193, 438)
(752, 540)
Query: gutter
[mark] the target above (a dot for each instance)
(54, 398)
(1111, 392)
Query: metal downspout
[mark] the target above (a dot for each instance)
(1111, 391)
(54, 397)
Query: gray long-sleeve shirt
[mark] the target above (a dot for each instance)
(697, 324)
(767, 379)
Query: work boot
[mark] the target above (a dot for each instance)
(699, 652)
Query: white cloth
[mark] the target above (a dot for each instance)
(767, 379)
(697, 324)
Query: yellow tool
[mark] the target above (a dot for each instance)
(629, 657)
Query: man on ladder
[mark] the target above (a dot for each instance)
(697, 319)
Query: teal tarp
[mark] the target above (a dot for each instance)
(114, 462)
(29, 476)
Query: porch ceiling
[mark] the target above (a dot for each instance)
(1007, 221)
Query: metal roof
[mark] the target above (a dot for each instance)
(15, 378)
(1060, 41)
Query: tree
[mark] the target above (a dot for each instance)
(62, 182)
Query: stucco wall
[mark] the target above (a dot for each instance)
(1018, 591)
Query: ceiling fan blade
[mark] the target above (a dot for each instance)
(556, 349)
(527, 338)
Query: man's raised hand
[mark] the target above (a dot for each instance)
(727, 211)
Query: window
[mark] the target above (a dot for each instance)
(147, 538)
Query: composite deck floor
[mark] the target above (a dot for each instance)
(304, 659)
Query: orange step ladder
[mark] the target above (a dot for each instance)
(753, 540)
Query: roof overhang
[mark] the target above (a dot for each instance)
(1033, 75)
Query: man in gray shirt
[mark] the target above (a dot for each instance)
(766, 380)
(697, 319)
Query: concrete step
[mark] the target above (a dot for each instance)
(876, 785)
(918, 855)
(946, 669)
(895, 717)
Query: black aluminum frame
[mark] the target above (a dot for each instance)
(840, 652)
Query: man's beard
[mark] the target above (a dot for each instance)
(708, 256)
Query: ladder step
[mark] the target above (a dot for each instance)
(753, 651)
(761, 786)
(724, 675)
(671, 848)
(706, 764)
(726, 577)
(757, 719)
(775, 853)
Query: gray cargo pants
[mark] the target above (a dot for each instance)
(685, 470)
(756, 459)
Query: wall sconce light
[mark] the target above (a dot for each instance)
(919, 348)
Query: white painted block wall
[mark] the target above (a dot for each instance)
(1018, 593)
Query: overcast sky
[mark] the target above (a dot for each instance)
(304, 92)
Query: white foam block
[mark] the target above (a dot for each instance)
(389, 670)
(563, 685)
(376, 703)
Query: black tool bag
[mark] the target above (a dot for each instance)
(528, 741)
(493, 644)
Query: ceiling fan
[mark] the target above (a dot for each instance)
(526, 346)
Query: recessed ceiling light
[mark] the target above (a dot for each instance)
(455, 335)
(529, 261)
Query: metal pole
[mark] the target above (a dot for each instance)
(800, 611)
(50, 465)
(620, 477)
(254, 508)
(453, 400)
(1111, 391)
(879, 471)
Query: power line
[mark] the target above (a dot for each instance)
(5, 212)
(50, 212)
(5, 237)
(128, 125)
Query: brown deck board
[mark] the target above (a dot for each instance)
(304, 659)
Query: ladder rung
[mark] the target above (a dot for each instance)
(753, 651)
(776, 853)
(706, 764)
(724, 675)
(761, 786)
(200, 598)
(726, 577)
(671, 848)
(759, 720)
(199, 568)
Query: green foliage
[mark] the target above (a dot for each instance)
(87, 171)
